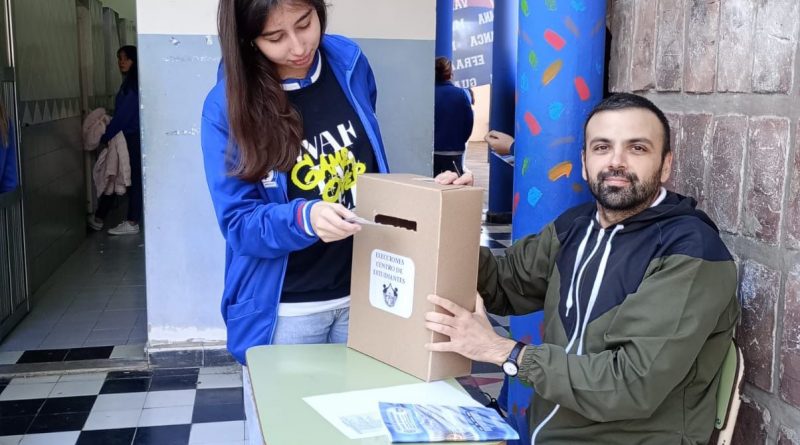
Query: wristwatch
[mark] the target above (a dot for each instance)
(510, 366)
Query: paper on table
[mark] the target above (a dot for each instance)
(357, 414)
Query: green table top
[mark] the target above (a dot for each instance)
(282, 375)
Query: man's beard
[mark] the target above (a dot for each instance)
(632, 196)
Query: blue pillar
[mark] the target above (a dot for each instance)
(444, 28)
(559, 80)
(501, 111)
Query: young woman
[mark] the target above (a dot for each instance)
(126, 120)
(286, 132)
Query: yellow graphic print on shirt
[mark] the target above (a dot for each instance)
(329, 167)
(335, 174)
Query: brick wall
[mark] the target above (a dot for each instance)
(726, 73)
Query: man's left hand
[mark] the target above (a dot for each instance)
(471, 334)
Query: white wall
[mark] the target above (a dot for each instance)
(178, 63)
(383, 19)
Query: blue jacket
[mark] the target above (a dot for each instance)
(453, 118)
(8, 163)
(260, 225)
(126, 113)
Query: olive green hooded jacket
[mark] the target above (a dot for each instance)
(637, 320)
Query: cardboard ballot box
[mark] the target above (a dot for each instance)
(425, 241)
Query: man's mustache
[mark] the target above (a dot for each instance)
(631, 177)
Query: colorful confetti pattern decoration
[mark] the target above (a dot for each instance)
(533, 60)
(534, 195)
(551, 72)
(532, 123)
(555, 110)
(560, 170)
(561, 141)
(554, 39)
(560, 48)
(582, 88)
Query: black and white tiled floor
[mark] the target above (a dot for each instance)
(496, 237)
(128, 352)
(162, 406)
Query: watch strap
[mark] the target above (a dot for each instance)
(514, 355)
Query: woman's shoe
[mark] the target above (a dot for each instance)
(125, 228)
(94, 223)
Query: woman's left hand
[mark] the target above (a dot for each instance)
(449, 177)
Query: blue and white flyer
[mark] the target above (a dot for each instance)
(439, 423)
(357, 414)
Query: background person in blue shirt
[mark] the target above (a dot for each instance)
(126, 120)
(453, 119)
(8, 154)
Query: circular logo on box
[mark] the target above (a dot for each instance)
(391, 283)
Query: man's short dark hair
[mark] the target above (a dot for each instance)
(623, 101)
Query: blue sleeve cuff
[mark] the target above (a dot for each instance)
(305, 217)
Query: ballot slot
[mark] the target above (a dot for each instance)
(402, 223)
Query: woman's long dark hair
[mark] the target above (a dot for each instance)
(266, 128)
(131, 81)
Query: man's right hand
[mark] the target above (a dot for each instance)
(328, 221)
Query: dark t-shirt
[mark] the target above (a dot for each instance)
(336, 150)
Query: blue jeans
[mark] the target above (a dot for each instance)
(323, 327)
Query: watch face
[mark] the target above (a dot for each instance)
(510, 368)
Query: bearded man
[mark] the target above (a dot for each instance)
(638, 292)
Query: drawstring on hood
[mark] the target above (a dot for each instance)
(577, 264)
(596, 287)
(577, 282)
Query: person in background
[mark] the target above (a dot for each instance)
(453, 119)
(125, 120)
(8, 154)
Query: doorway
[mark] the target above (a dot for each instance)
(83, 291)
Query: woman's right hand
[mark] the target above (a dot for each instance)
(328, 221)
